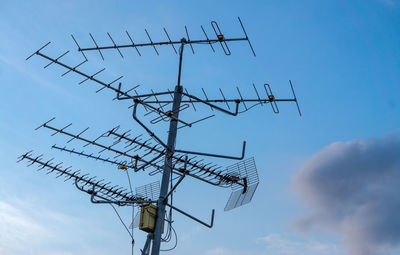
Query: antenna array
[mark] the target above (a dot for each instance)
(148, 152)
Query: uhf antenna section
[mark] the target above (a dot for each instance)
(139, 153)
(84, 181)
(242, 194)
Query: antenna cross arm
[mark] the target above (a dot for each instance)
(142, 95)
(178, 182)
(174, 187)
(166, 114)
(195, 219)
(214, 106)
(216, 155)
(87, 77)
(207, 41)
(120, 203)
(104, 200)
(144, 126)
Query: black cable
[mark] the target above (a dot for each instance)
(133, 213)
(121, 220)
(250, 107)
(176, 241)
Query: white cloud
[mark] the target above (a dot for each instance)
(228, 251)
(216, 251)
(22, 228)
(190, 234)
(275, 244)
(27, 228)
(16, 227)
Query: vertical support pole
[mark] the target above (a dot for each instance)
(168, 159)
(146, 247)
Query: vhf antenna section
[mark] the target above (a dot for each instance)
(219, 38)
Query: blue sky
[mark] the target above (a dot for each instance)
(343, 59)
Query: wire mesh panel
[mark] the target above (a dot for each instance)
(136, 221)
(150, 191)
(242, 194)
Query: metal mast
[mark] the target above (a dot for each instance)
(173, 125)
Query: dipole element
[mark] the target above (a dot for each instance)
(173, 126)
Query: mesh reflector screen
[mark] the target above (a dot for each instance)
(150, 191)
(243, 169)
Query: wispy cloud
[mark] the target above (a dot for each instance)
(229, 251)
(275, 244)
(189, 234)
(20, 66)
(13, 45)
(29, 228)
(24, 228)
(391, 2)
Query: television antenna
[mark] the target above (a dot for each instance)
(152, 154)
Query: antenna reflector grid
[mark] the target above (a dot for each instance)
(150, 191)
(242, 194)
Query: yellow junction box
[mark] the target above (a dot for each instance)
(148, 215)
